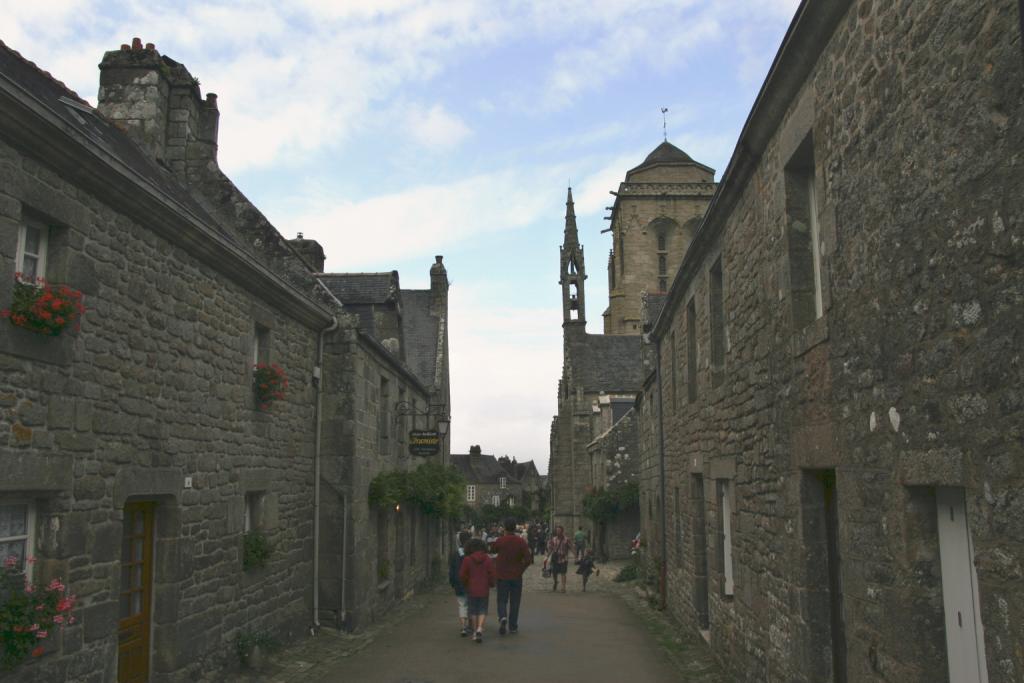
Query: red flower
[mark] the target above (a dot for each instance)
(37, 651)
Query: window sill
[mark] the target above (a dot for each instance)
(34, 346)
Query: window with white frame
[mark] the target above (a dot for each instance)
(17, 532)
(470, 493)
(503, 482)
(32, 242)
(496, 500)
(511, 501)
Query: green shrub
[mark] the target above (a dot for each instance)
(247, 639)
(255, 550)
(628, 573)
(604, 505)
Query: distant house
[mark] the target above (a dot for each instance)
(498, 481)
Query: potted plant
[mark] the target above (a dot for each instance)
(268, 382)
(39, 307)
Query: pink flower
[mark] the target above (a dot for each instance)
(41, 634)
(58, 619)
(33, 627)
(65, 604)
(56, 585)
(10, 561)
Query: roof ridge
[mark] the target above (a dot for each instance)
(67, 91)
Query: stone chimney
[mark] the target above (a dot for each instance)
(311, 251)
(438, 286)
(158, 103)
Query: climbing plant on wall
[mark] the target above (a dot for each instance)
(434, 488)
(604, 505)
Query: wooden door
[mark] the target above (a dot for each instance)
(136, 594)
(965, 641)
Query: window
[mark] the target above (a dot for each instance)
(804, 238)
(661, 243)
(611, 269)
(253, 511)
(384, 417)
(496, 500)
(470, 493)
(260, 345)
(725, 510)
(691, 351)
(672, 382)
(717, 315)
(662, 264)
(503, 482)
(662, 284)
(622, 254)
(17, 527)
(511, 501)
(32, 242)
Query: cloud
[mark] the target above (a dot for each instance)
(498, 353)
(422, 219)
(436, 128)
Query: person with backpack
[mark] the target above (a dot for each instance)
(454, 565)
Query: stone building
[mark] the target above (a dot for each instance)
(136, 458)
(488, 480)
(832, 435)
(653, 220)
(531, 484)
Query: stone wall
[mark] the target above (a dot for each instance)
(615, 460)
(908, 122)
(152, 400)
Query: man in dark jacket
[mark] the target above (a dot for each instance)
(513, 557)
(454, 565)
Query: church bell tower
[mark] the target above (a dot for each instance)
(572, 271)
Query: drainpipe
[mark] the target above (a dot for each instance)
(318, 378)
(661, 465)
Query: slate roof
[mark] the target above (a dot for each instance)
(420, 334)
(606, 362)
(363, 288)
(481, 469)
(666, 153)
(81, 116)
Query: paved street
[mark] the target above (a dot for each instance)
(606, 634)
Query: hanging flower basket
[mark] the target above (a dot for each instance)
(268, 383)
(40, 307)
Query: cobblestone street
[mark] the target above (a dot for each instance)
(606, 634)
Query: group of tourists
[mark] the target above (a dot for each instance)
(498, 561)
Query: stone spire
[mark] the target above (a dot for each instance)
(571, 236)
(573, 271)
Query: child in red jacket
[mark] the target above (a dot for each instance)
(477, 575)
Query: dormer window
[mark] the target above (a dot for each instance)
(32, 242)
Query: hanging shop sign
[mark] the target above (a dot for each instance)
(424, 442)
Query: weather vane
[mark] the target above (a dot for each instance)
(664, 123)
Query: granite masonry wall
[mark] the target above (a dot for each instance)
(155, 388)
(831, 437)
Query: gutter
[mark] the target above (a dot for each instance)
(319, 418)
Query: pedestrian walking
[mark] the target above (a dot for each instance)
(558, 556)
(513, 557)
(542, 538)
(586, 567)
(454, 566)
(580, 538)
(477, 575)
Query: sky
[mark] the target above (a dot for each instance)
(394, 130)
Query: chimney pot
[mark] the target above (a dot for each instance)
(150, 46)
(438, 259)
(136, 43)
(298, 236)
(125, 47)
(211, 100)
